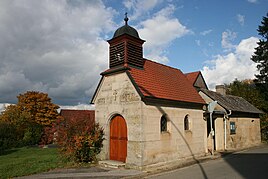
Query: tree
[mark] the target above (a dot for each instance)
(39, 106)
(32, 117)
(247, 90)
(261, 54)
(14, 116)
(13, 124)
(261, 58)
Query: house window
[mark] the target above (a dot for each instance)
(163, 124)
(232, 127)
(186, 123)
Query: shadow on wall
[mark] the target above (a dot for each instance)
(180, 133)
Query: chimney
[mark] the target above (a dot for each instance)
(221, 89)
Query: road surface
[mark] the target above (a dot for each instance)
(252, 163)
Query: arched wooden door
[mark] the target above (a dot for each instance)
(118, 139)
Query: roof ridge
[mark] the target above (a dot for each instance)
(228, 95)
(192, 72)
(163, 65)
(77, 110)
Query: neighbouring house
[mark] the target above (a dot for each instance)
(235, 121)
(150, 112)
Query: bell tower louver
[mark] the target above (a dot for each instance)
(126, 47)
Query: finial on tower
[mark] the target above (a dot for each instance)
(126, 18)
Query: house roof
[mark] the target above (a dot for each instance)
(197, 79)
(192, 76)
(70, 114)
(163, 82)
(231, 102)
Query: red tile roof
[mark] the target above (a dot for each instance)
(70, 114)
(192, 76)
(164, 82)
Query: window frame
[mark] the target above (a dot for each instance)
(186, 123)
(232, 128)
(163, 124)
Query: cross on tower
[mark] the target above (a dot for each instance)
(126, 18)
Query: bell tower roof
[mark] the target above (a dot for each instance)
(126, 29)
(126, 47)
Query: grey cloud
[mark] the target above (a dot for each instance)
(54, 47)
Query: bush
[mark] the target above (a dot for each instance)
(32, 134)
(79, 140)
(9, 136)
(48, 135)
(264, 127)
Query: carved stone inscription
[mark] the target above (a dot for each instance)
(101, 101)
(127, 96)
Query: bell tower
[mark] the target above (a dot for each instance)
(126, 47)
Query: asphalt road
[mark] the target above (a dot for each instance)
(252, 163)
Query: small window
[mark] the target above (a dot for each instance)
(186, 123)
(232, 127)
(163, 124)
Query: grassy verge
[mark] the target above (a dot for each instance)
(26, 161)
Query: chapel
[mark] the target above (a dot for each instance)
(154, 114)
(151, 113)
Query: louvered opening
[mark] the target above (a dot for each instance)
(117, 54)
(134, 54)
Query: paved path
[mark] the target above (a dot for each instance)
(252, 163)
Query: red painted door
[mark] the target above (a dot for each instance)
(118, 139)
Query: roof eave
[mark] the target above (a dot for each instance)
(228, 108)
(96, 91)
(150, 100)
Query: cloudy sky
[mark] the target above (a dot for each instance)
(59, 47)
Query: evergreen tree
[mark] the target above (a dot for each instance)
(261, 52)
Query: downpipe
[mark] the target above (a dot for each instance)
(226, 116)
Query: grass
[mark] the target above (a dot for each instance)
(29, 160)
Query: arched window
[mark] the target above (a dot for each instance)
(163, 124)
(186, 122)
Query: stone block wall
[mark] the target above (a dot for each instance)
(247, 133)
(117, 96)
(176, 143)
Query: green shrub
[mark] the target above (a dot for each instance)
(9, 136)
(32, 134)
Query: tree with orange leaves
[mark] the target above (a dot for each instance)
(32, 117)
(39, 106)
